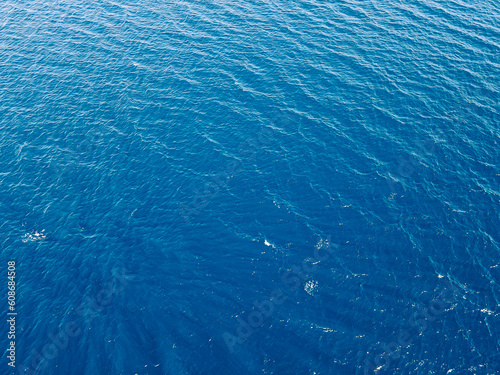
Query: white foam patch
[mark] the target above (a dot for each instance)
(34, 236)
(267, 243)
(311, 287)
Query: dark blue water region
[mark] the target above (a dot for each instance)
(250, 187)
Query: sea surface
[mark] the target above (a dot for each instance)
(251, 187)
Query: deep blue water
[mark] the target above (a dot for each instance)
(168, 167)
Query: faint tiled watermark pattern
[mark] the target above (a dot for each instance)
(247, 152)
(295, 277)
(379, 358)
(68, 161)
(407, 165)
(89, 310)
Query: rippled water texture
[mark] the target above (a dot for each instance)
(251, 187)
